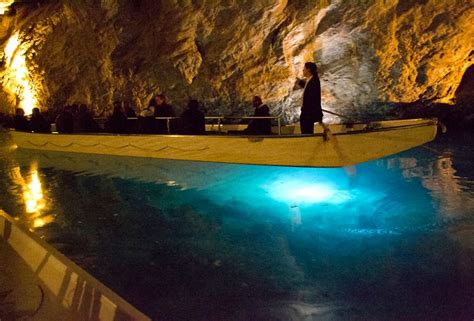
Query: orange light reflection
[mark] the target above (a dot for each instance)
(33, 197)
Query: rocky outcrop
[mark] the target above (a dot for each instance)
(370, 53)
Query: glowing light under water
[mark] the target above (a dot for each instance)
(295, 191)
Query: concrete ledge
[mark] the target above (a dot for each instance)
(70, 288)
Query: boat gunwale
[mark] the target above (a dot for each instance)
(375, 128)
(426, 122)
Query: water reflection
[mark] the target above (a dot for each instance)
(33, 196)
(451, 192)
(447, 175)
(212, 241)
(447, 187)
(395, 193)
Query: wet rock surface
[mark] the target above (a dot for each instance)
(369, 53)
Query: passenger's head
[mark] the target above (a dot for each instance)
(152, 102)
(160, 99)
(117, 109)
(19, 112)
(36, 111)
(310, 69)
(256, 101)
(193, 104)
(83, 108)
(74, 108)
(125, 105)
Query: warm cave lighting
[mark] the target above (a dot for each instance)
(5, 6)
(17, 79)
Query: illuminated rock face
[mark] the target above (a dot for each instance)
(222, 52)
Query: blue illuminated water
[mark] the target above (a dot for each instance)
(390, 239)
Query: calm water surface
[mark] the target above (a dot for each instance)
(391, 239)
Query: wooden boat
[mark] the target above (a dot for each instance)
(347, 144)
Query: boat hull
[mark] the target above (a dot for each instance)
(344, 147)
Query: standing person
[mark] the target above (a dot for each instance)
(192, 120)
(259, 126)
(311, 110)
(163, 109)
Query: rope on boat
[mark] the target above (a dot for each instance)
(120, 147)
(336, 114)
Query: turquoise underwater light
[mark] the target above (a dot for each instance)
(299, 191)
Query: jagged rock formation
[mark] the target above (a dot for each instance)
(370, 53)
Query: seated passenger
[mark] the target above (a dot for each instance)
(38, 123)
(146, 119)
(127, 110)
(84, 122)
(20, 122)
(4, 120)
(192, 120)
(117, 123)
(65, 121)
(259, 126)
(163, 109)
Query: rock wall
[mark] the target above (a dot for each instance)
(371, 53)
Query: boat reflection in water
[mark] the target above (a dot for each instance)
(393, 193)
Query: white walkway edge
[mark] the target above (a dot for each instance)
(81, 295)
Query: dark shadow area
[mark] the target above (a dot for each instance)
(458, 117)
(465, 91)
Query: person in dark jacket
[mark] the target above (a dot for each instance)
(146, 119)
(38, 123)
(20, 122)
(4, 121)
(84, 122)
(127, 110)
(259, 126)
(163, 109)
(65, 121)
(117, 123)
(311, 110)
(192, 120)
